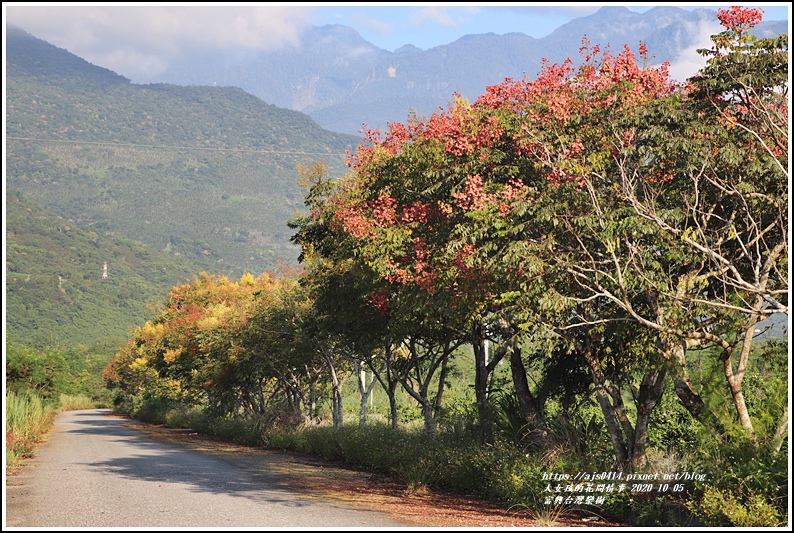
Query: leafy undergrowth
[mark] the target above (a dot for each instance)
(316, 477)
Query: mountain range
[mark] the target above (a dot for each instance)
(344, 82)
(208, 173)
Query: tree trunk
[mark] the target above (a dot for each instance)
(530, 410)
(431, 425)
(780, 434)
(735, 379)
(389, 384)
(613, 427)
(365, 391)
(628, 442)
(391, 392)
(387, 379)
(311, 406)
(651, 390)
(416, 380)
(442, 377)
(674, 352)
(336, 394)
(481, 383)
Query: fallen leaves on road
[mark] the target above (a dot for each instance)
(315, 477)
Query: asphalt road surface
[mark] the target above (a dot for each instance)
(95, 472)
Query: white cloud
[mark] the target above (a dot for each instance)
(141, 40)
(689, 61)
(131, 61)
(434, 15)
(555, 11)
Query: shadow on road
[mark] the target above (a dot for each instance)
(153, 461)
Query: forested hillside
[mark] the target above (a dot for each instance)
(207, 173)
(55, 294)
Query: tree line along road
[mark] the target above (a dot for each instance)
(96, 471)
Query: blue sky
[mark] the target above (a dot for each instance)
(139, 40)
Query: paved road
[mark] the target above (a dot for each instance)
(95, 472)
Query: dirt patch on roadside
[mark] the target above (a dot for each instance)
(315, 477)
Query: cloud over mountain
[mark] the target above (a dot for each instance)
(143, 42)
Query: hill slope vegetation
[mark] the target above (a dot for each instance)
(55, 294)
(207, 173)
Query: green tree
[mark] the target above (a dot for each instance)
(725, 146)
(43, 372)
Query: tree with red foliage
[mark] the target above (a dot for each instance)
(585, 203)
(725, 146)
(668, 211)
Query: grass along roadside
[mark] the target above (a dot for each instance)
(28, 419)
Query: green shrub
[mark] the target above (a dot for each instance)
(73, 403)
(323, 441)
(152, 409)
(200, 421)
(672, 428)
(379, 446)
(719, 508)
(286, 438)
(748, 481)
(513, 477)
(248, 431)
(456, 460)
(40, 372)
(178, 417)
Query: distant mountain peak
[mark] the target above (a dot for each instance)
(342, 33)
(470, 36)
(407, 49)
(612, 11)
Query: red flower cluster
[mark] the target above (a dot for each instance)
(475, 196)
(383, 210)
(381, 302)
(740, 19)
